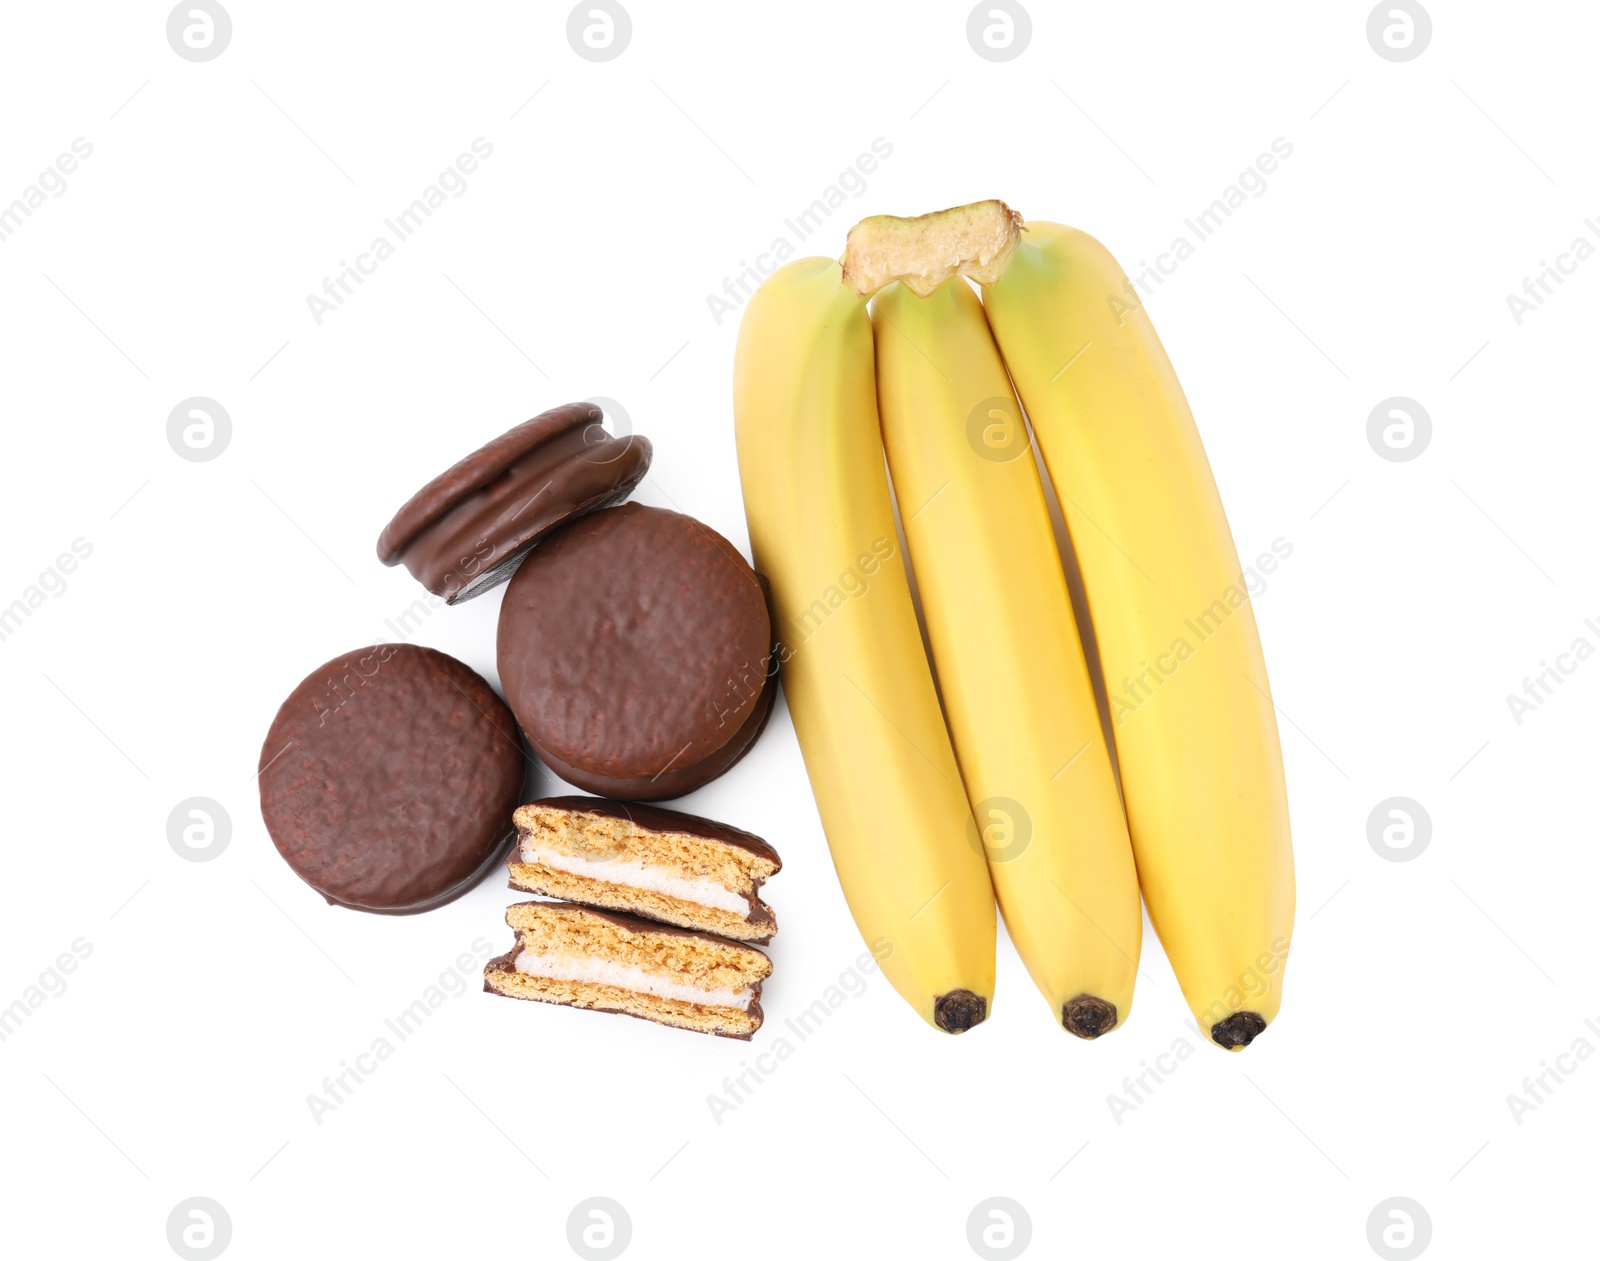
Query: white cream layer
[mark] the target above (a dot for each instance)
(638, 875)
(628, 977)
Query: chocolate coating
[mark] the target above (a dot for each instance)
(469, 528)
(388, 779)
(634, 646)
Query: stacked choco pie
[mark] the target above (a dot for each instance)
(636, 655)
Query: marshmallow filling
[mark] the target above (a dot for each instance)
(627, 976)
(635, 874)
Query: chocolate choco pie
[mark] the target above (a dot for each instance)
(469, 528)
(634, 648)
(389, 777)
(635, 651)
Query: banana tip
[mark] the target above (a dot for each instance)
(1238, 1030)
(1088, 1017)
(959, 1010)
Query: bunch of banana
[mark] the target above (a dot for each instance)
(1203, 799)
(854, 672)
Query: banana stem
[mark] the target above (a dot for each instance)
(924, 252)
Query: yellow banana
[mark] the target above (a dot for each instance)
(1195, 732)
(854, 672)
(1010, 665)
(1196, 735)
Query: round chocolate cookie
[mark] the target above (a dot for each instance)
(634, 649)
(388, 779)
(469, 528)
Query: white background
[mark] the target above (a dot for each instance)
(578, 262)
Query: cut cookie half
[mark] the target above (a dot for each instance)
(660, 864)
(577, 957)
